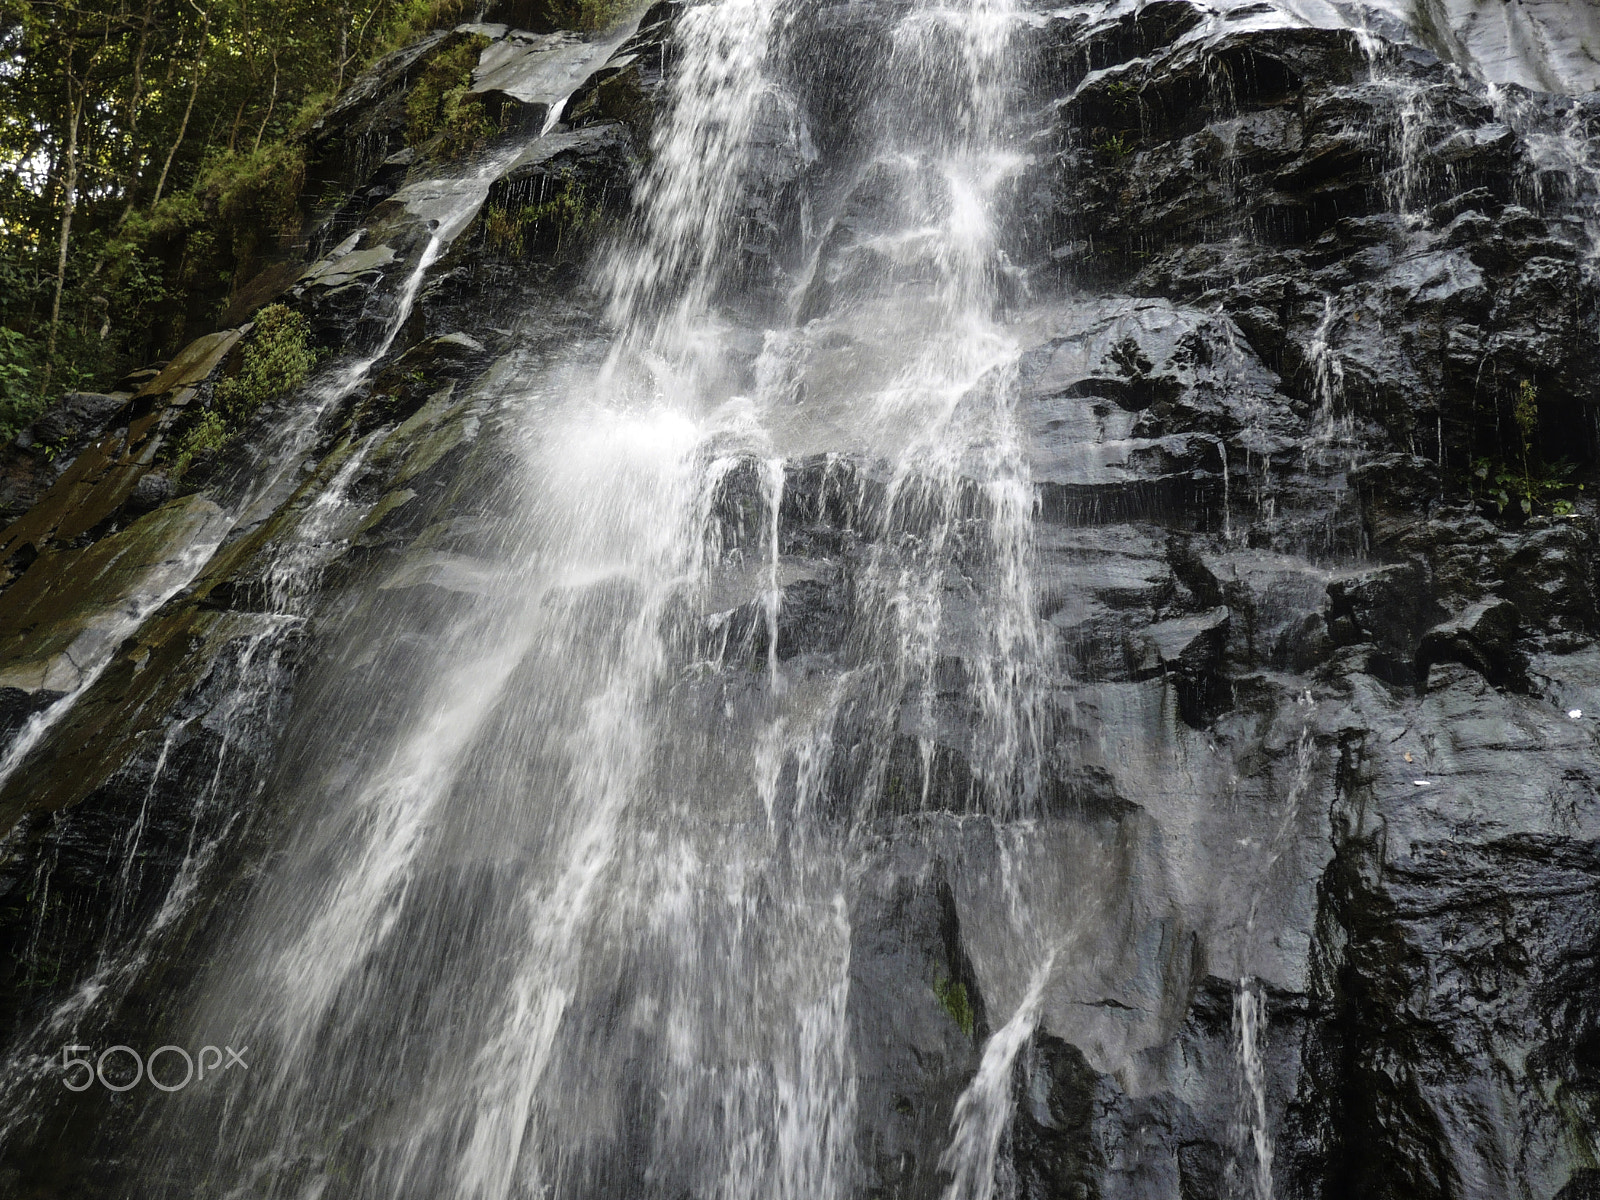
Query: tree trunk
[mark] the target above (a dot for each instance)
(271, 104)
(132, 184)
(183, 126)
(233, 130)
(344, 46)
(69, 204)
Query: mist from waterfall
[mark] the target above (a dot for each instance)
(575, 919)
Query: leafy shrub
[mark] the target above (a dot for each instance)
(567, 219)
(584, 14)
(439, 103)
(174, 216)
(1527, 490)
(570, 213)
(410, 19)
(205, 437)
(1535, 484)
(256, 194)
(1114, 146)
(20, 401)
(502, 231)
(1122, 95)
(466, 124)
(277, 360)
(312, 109)
(136, 277)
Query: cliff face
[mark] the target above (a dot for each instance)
(1301, 317)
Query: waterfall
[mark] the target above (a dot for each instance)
(616, 867)
(1249, 1022)
(860, 665)
(1254, 1138)
(1327, 380)
(985, 1109)
(292, 572)
(661, 281)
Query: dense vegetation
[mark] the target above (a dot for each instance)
(152, 158)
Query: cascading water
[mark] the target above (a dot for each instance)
(844, 724)
(1254, 1134)
(984, 1112)
(291, 576)
(258, 669)
(630, 889)
(1249, 1022)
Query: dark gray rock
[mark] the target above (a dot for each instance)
(1483, 637)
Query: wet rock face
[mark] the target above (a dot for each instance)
(140, 823)
(913, 988)
(1316, 814)
(1253, 496)
(1373, 207)
(1360, 233)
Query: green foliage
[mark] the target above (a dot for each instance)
(188, 160)
(567, 220)
(1529, 491)
(502, 231)
(312, 109)
(1123, 95)
(569, 212)
(1525, 412)
(206, 437)
(466, 124)
(255, 195)
(20, 401)
(1115, 147)
(277, 360)
(439, 103)
(585, 14)
(953, 996)
(410, 19)
(1532, 484)
(597, 14)
(175, 216)
(54, 450)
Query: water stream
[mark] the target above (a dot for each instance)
(275, 470)
(292, 572)
(985, 1109)
(618, 866)
(1250, 1022)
